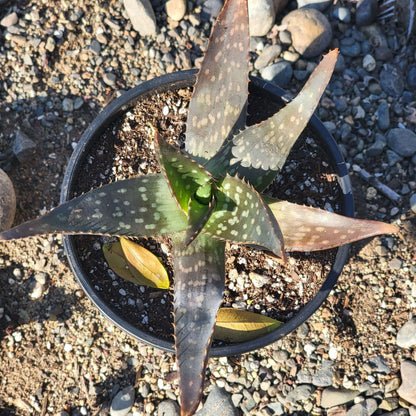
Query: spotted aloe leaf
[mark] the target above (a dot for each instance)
(218, 105)
(259, 152)
(184, 175)
(141, 206)
(240, 215)
(199, 283)
(310, 229)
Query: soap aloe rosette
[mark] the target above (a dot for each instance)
(211, 194)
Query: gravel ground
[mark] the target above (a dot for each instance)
(60, 66)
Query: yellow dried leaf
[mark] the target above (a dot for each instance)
(236, 325)
(146, 263)
(117, 261)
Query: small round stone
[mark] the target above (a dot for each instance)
(7, 201)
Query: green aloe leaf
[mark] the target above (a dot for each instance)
(141, 206)
(259, 152)
(199, 211)
(154, 274)
(240, 215)
(310, 229)
(199, 283)
(218, 105)
(236, 325)
(184, 175)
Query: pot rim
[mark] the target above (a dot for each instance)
(182, 79)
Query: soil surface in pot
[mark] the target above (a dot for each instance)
(255, 281)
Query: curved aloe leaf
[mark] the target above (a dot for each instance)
(199, 283)
(240, 215)
(310, 229)
(218, 105)
(141, 206)
(150, 270)
(236, 325)
(259, 152)
(184, 175)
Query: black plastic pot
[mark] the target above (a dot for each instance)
(123, 104)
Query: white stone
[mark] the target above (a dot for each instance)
(262, 15)
(142, 16)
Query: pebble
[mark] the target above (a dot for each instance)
(168, 408)
(391, 80)
(392, 385)
(268, 55)
(211, 9)
(352, 50)
(398, 412)
(262, 14)
(50, 44)
(365, 408)
(218, 403)
(23, 146)
(412, 203)
(310, 31)
(259, 280)
(366, 12)
(378, 364)
(299, 393)
(407, 390)
(142, 16)
(122, 402)
(281, 356)
(176, 9)
(334, 397)
(343, 14)
(279, 73)
(7, 201)
(383, 115)
(369, 63)
(9, 20)
(323, 378)
(406, 336)
(402, 141)
(110, 79)
(411, 76)
(68, 105)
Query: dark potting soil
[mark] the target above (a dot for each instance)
(255, 281)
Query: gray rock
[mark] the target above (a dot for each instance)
(352, 50)
(406, 336)
(122, 402)
(262, 15)
(303, 330)
(211, 8)
(310, 31)
(95, 47)
(299, 393)
(407, 390)
(7, 201)
(393, 157)
(110, 78)
(277, 408)
(168, 408)
(23, 147)
(280, 356)
(412, 202)
(343, 14)
(142, 16)
(314, 4)
(369, 63)
(68, 105)
(78, 103)
(304, 377)
(268, 55)
(365, 408)
(378, 364)
(323, 378)
(366, 12)
(334, 397)
(402, 141)
(279, 73)
(9, 20)
(383, 115)
(391, 80)
(378, 146)
(218, 403)
(411, 76)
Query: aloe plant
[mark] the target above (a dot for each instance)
(212, 193)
